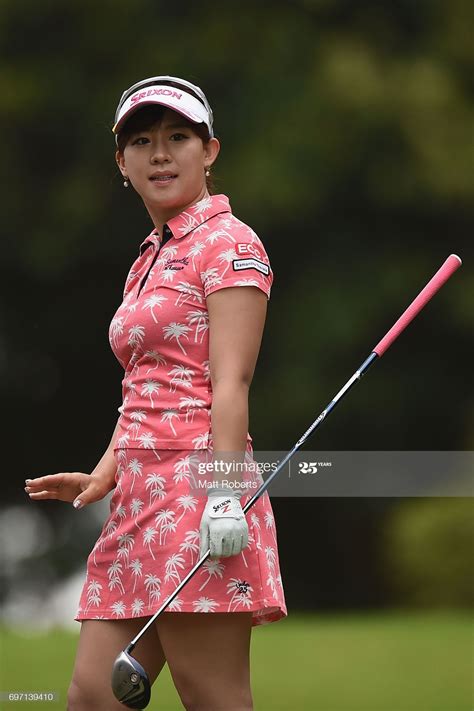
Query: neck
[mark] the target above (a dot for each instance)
(161, 216)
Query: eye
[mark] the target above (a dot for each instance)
(140, 141)
(178, 137)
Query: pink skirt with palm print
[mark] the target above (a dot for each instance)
(150, 541)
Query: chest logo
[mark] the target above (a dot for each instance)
(176, 264)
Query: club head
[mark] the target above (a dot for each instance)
(130, 682)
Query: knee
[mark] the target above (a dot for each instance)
(207, 695)
(74, 697)
(78, 699)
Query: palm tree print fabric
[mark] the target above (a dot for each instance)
(151, 540)
(160, 335)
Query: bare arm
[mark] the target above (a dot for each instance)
(107, 467)
(236, 322)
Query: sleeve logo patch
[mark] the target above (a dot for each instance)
(247, 249)
(251, 263)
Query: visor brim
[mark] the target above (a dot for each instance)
(168, 102)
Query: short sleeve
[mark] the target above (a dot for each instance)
(235, 257)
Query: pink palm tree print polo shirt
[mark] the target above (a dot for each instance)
(160, 333)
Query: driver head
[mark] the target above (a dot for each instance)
(130, 682)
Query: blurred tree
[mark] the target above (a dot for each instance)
(428, 552)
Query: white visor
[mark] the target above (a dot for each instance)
(176, 99)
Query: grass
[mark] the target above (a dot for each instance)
(391, 661)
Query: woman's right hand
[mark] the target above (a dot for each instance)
(76, 487)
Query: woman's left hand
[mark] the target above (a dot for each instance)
(223, 528)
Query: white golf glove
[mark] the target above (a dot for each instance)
(223, 526)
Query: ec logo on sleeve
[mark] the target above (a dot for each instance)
(247, 249)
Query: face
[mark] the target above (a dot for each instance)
(166, 165)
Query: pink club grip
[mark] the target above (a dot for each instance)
(452, 263)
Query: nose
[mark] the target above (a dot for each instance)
(159, 149)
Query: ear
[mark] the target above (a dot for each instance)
(211, 151)
(121, 162)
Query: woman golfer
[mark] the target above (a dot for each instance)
(187, 334)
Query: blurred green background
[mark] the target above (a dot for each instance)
(307, 662)
(347, 132)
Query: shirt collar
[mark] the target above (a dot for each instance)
(193, 217)
(198, 214)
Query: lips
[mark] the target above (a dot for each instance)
(163, 177)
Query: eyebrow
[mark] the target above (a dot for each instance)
(176, 124)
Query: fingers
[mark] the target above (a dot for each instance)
(225, 540)
(64, 486)
(50, 481)
(44, 487)
(204, 539)
(240, 542)
(223, 548)
(39, 488)
(237, 546)
(39, 495)
(227, 544)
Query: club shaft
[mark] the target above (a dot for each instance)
(452, 263)
(317, 423)
(337, 398)
(447, 269)
(167, 602)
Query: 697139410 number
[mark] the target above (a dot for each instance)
(29, 696)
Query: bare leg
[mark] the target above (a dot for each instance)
(100, 642)
(208, 656)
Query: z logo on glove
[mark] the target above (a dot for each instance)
(219, 507)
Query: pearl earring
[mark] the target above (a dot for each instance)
(125, 182)
(207, 173)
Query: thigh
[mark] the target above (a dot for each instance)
(208, 655)
(100, 642)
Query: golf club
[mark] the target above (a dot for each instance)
(130, 682)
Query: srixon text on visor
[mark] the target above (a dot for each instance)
(152, 92)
